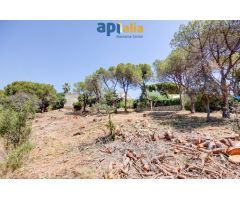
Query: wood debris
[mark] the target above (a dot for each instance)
(153, 153)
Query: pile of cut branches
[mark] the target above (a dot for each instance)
(147, 152)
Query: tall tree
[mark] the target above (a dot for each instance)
(235, 80)
(145, 74)
(81, 89)
(172, 69)
(109, 80)
(224, 48)
(212, 46)
(128, 75)
(94, 86)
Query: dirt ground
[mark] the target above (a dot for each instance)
(68, 145)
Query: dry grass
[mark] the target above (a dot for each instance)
(57, 153)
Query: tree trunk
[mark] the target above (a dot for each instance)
(235, 88)
(115, 106)
(181, 101)
(225, 108)
(125, 102)
(192, 103)
(84, 103)
(192, 107)
(208, 108)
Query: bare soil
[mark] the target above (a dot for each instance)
(147, 145)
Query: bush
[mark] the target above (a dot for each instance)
(2, 97)
(167, 102)
(106, 109)
(60, 101)
(139, 104)
(157, 100)
(77, 106)
(14, 121)
(135, 103)
(45, 93)
(215, 103)
(112, 127)
(163, 100)
(21, 101)
(110, 97)
(15, 158)
(121, 104)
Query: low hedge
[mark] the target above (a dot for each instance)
(77, 106)
(157, 103)
(166, 102)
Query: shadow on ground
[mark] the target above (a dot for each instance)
(184, 121)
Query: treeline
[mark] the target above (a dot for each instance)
(204, 65)
(43, 96)
(101, 86)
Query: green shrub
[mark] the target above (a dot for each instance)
(77, 106)
(163, 100)
(22, 101)
(14, 123)
(15, 158)
(106, 109)
(45, 93)
(121, 103)
(135, 103)
(167, 102)
(87, 99)
(215, 103)
(140, 104)
(112, 127)
(157, 100)
(60, 101)
(110, 97)
(2, 97)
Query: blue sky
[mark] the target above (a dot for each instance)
(66, 51)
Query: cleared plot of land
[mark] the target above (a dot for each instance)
(147, 145)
